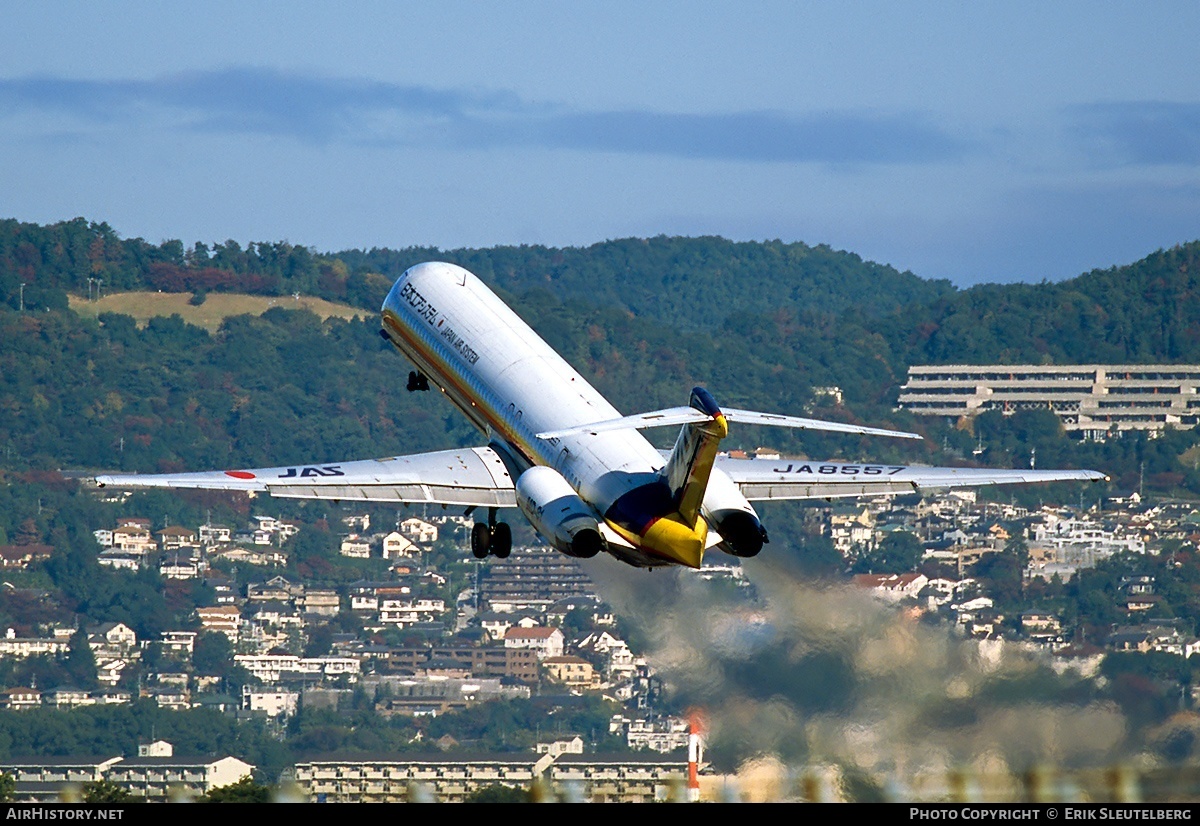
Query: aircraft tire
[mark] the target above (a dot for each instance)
(481, 540)
(501, 540)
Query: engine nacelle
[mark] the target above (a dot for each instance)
(731, 515)
(556, 512)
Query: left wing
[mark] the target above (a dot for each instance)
(761, 479)
(474, 476)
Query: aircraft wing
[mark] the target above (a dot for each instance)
(762, 479)
(473, 476)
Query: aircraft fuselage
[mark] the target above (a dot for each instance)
(512, 385)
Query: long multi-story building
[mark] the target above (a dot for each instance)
(394, 778)
(533, 578)
(1091, 400)
(631, 778)
(155, 778)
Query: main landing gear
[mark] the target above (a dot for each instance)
(494, 538)
(416, 381)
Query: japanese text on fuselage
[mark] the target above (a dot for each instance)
(417, 301)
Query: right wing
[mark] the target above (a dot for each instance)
(471, 477)
(763, 479)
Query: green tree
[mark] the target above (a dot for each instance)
(243, 791)
(81, 662)
(212, 653)
(497, 793)
(106, 791)
(899, 553)
(8, 787)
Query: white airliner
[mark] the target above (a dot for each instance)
(579, 471)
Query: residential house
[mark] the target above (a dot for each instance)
(172, 699)
(175, 537)
(360, 523)
(109, 671)
(224, 619)
(277, 588)
(1040, 625)
(1154, 637)
(120, 560)
(157, 748)
(850, 530)
(661, 734)
(274, 614)
(619, 662)
(547, 642)
(176, 568)
(133, 539)
(272, 703)
(419, 531)
(111, 639)
(20, 699)
(178, 643)
(396, 546)
(570, 745)
(405, 613)
(892, 587)
(210, 535)
(571, 671)
(497, 624)
(22, 556)
(64, 697)
(355, 547)
(319, 601)
(12, 646)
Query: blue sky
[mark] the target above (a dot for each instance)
(969, 141)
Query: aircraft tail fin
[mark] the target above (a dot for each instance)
(691, 461)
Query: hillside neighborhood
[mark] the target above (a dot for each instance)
(437, 633)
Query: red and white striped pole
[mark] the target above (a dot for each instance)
(695, 754)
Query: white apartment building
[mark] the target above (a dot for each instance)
(406, 612)
(271, 668)
(1089, 399)
(273, 703)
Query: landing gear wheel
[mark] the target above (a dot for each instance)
(481, 540)
(501, 540)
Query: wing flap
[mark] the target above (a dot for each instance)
(474, 476)
(410, 494)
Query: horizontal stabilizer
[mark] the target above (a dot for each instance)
(689, 415)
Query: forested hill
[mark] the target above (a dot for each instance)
(1148, 311)
(288, 387)
(691, 283)
(1141, 312)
